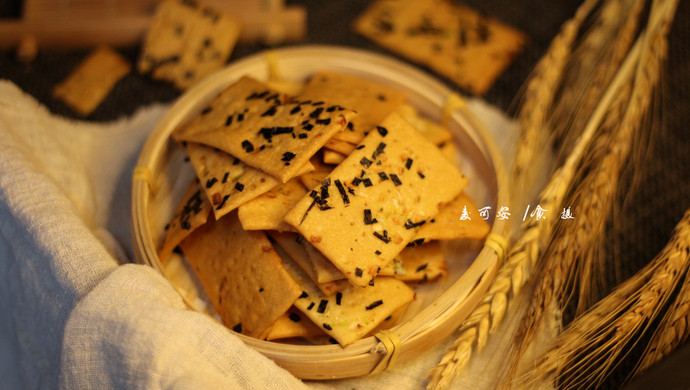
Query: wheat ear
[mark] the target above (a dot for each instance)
(673, 329)
(591, 346)
(522, 257)
(598, 189)
(525, 252)
(592, 66)
(538, 98)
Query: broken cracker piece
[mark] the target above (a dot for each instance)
(332, 158)
(339, 146)
(313, 178)
(432, 131)
(447, 225)
(450, 150)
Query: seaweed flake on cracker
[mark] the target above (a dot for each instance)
(372, 204)
(372, 100)
(265, 129)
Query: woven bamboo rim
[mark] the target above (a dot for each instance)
(421, 331)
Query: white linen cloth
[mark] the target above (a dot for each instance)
(76, 314)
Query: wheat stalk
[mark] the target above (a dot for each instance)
(511, 277)
(523, 256)
(592, 67)
(592, 198)
(520, 261)
(597, 190)
(538, 98)
(593, 344)
(599, 57)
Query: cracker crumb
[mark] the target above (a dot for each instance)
(315, 239)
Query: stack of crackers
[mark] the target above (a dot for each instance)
(289, 245)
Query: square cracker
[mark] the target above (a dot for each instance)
(258, 126)
(352, 313)
(192, 212)
(89, 84)
(266, 212)
(372, 204)
(227, 181)
(447, 225)
(242, 274)
(453, 40)
(186, 42)
(372, 101)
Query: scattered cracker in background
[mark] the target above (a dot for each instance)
(89, 84)
(186, 42)
(455, 41)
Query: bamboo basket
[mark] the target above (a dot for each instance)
(440, 306)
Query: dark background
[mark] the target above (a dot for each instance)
(653, 208)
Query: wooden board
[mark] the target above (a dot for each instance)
(85, 23)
